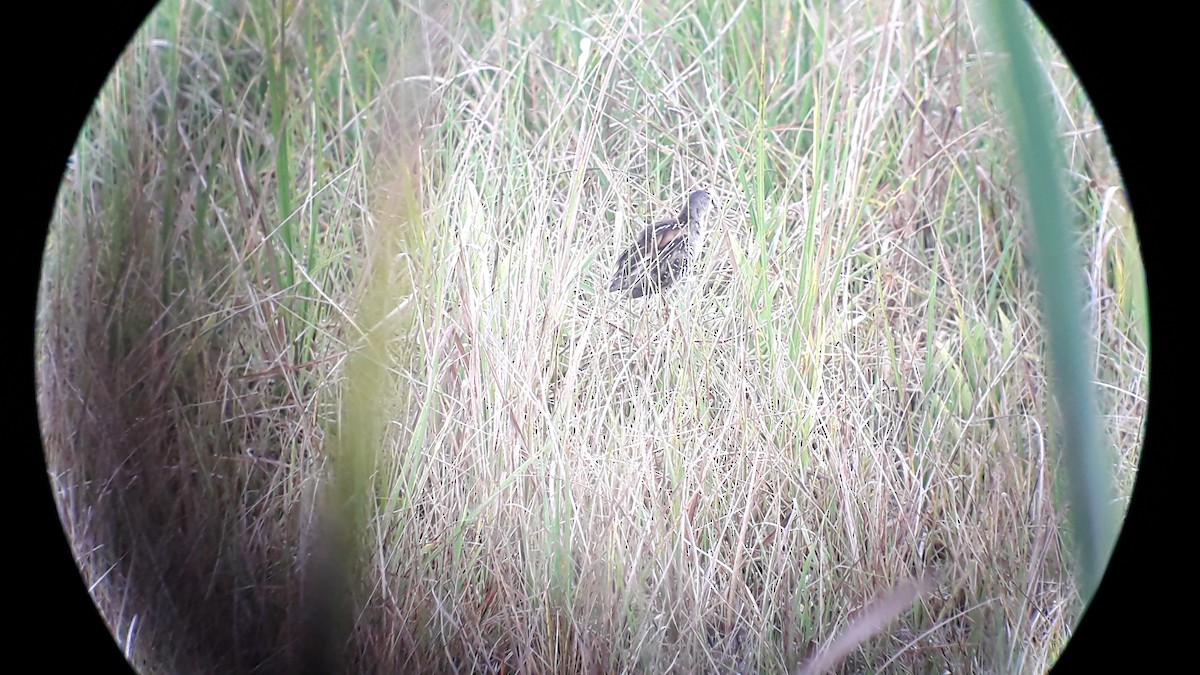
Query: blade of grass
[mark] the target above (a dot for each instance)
(1058, 267)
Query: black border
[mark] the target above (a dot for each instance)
(63, 56)
(1116, 51)
(1119, 55)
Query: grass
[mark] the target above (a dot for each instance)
(358, 252)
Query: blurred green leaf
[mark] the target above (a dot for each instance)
(1059, 267)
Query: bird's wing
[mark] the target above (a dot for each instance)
(642, 247)
(669, 232)
(672, 259)
(642, 261)
(630, 258)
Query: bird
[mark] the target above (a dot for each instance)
(662, 254)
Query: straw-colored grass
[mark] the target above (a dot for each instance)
(849, 391)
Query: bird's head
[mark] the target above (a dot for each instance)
(698, 205)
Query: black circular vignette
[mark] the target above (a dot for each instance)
(66, 53)
(1110, 51)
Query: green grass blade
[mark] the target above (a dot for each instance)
(1058, 267)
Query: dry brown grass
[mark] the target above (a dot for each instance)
(851, 391)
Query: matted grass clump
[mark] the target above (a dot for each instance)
(304, 234)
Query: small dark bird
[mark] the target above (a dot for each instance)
(663, 252)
